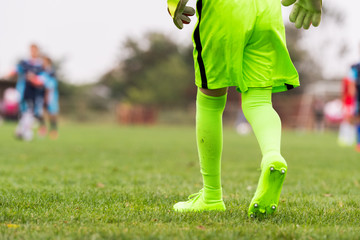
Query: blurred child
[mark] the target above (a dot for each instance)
(30, 94)
(33, 65)
(356, 76)
(47, 80)
(51, 95)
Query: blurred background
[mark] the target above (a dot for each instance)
(126, 149)
(125, 62)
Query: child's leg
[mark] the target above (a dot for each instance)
(42, 131)
(209, 136)
(209, 110)
(53, 127)
(41, 120)
(265, 121)
(53, 122)
(257, 107)
(39, 114)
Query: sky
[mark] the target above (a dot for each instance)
(88, 34)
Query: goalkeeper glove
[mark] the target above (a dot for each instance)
(180, 12)
(305, 12)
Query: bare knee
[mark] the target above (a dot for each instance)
(214, 92)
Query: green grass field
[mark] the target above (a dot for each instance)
(111, 182)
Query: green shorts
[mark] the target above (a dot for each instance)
(242, 43)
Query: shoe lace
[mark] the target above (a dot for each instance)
(195, 196)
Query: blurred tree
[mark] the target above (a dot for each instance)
(66, 90)
(309, 70)
(309, 67)
(155, 71)
(309, 64)
(72, 97)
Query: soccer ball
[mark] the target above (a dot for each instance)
(24, 130)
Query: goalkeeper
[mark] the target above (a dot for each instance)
(241, 43)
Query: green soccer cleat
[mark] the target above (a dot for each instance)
(196, 203)
(266, 198)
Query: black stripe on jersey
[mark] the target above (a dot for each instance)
(199, 47)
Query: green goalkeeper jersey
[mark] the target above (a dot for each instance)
(242, 43)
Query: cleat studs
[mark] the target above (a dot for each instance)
(283, 171)
(272, 169)
(256, 205)
(273, 207)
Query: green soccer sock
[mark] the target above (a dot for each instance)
(266, 124)
(209, 137)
